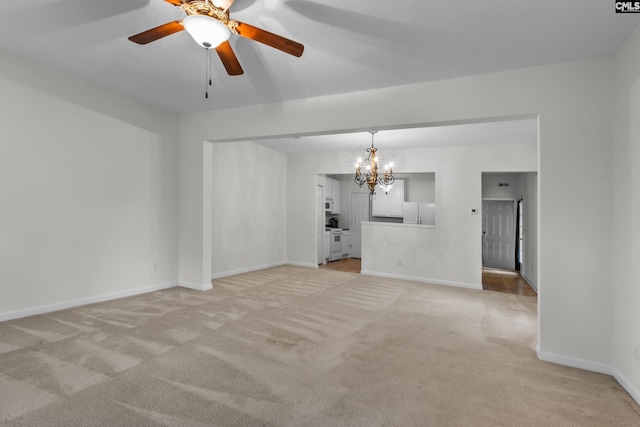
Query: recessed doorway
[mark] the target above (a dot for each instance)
(509, 227)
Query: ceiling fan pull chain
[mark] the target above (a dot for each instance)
(206, 72)
(209, 54)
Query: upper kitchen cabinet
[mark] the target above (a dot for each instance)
(389, 204)
(332, 195)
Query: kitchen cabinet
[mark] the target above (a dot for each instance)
(336, 197)
(389, 204)
(419, 213)
(346, 243)
(332, 194)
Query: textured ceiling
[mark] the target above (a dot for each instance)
(350, 45)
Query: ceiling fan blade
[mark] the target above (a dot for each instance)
(270, 39)
(221, 4)
(229, 59)
(157, 32)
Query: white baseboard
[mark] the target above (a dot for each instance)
(32, 311)
(627, 386)
(245, 270)
(526, 279)
(302, 264)
(574, 362)
(600, 368)
(203, 287)
(422, 279)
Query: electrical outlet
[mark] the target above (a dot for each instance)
(399, 262)
(636, 353)
(156, 266)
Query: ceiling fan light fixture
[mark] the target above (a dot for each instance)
(206, 31)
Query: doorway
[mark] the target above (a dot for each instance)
(509, 229)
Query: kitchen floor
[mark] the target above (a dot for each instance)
(348, 265)
(504, 281)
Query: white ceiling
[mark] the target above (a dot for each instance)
(350, 45)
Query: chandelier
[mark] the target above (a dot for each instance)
(370, 173)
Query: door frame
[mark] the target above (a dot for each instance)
(319, 222)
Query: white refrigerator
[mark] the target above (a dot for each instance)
(419, 213)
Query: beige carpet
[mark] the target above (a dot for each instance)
(292, 346)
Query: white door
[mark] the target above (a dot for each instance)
(498, 234)
(319, 222)
(358, 212)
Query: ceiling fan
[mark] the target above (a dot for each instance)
(208, 22)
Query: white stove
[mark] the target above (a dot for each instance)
(335, 244)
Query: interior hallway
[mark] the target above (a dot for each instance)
(505, 281)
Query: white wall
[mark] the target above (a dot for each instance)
(626, 211)
(419, 187)
(88, 185)
(573, 102)
(249, 196)
(450, 253)
(491, 185)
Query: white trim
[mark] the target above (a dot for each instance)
(574, 362)
(526, 279)
(33, 311)
(302, 264)
(245, 270)
(203, 287)
(422, 279)
(626, 385)
(600, 368)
